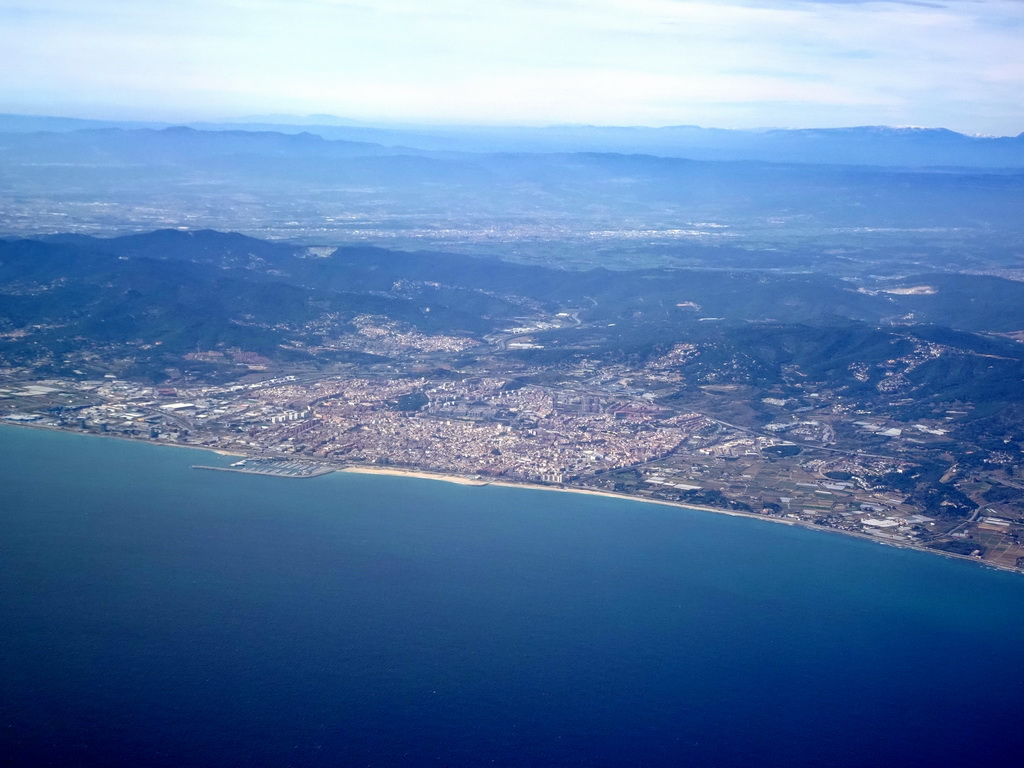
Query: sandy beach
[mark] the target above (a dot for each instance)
(423, 475)
(461, 480)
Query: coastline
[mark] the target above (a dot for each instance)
(50, 428)
(460, 480)
(426, 474)
(423, 474)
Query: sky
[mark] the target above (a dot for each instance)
(957, 64)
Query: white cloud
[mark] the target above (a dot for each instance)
(655, 61)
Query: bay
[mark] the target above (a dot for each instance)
(155, 614)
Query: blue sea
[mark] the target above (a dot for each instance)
(156, 615)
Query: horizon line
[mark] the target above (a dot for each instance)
(386, 124)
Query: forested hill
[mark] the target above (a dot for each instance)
(163, 295)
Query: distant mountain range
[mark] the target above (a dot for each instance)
(113, 179)
(868, 145)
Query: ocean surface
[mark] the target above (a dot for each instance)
(152, 614)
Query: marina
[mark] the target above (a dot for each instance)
(273, 467)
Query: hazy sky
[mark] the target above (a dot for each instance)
(730, 63)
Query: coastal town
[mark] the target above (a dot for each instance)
(598, 428)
